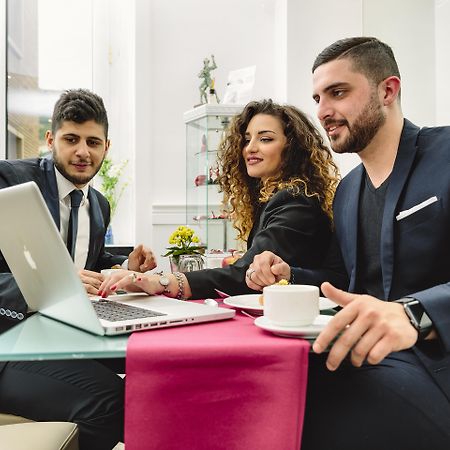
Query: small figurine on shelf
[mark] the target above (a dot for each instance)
(213, 99)
(205, 75)
(213, 175)
(200, 180)
(204, 146)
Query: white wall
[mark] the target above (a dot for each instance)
(409, 28)
(442, 92)
(238, 33)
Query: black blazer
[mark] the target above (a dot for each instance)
(415, 257)
(292, 226)
(42, 171)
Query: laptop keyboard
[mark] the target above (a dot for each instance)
(115, 312)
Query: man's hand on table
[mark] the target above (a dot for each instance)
(367, 328)
(141, 259)
(91, 281)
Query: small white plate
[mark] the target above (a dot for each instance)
(250, 303)
(304, 331)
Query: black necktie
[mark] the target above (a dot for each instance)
(76, 196)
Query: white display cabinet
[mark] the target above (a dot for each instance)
(204, 203)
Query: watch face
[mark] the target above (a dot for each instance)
(418, 315)
(164, 281)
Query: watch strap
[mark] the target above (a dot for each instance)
(417, 316)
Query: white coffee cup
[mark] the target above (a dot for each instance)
(291, 305)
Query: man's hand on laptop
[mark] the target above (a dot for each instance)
(141, 259)
(91, 281)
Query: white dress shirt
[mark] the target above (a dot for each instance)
(65, 187)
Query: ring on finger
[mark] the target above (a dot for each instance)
(133, 277)
(250, 272)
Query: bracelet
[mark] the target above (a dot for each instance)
(180, 293)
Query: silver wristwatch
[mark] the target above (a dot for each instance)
(164, 282)
(417, 316)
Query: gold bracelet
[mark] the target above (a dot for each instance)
(180, 281)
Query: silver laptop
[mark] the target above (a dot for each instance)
(48, 279)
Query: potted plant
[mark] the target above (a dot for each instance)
(186, 251)
(111, 188)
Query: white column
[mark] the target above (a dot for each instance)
(114, 70)
(147, 160)
(442, 91)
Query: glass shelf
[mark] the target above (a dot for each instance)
(204, 130)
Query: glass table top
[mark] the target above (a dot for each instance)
(41, 338)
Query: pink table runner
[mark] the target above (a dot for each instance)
(219, 385)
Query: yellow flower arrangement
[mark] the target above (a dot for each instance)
(184, 241)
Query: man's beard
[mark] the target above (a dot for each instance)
(75, 179)
(365, 127)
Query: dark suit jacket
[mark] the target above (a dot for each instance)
(42, 171)
(292, 226)
(415, 251)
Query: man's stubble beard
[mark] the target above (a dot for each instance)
(77, 180)
(363, 130)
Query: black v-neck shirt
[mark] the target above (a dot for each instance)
(370, 217)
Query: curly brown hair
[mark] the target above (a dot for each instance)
(307, 166)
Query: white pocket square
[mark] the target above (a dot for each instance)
(407, 212)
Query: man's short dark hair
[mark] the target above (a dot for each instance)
(368, 55)
(79, 106)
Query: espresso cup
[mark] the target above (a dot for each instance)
(291, 305)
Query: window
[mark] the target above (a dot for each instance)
(49, 49)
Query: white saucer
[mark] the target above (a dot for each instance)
(250, 303)
(304, 331)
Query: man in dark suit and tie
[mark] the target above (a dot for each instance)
(85, 392)
(385, 382)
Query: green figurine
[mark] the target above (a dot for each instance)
(207, 84)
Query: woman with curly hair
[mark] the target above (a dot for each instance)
(279, 179)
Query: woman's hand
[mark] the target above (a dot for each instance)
(265, 270)
(139, 282)
(131, 282)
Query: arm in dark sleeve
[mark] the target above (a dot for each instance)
(104, 259)
(293, 227)
(332, 270)
(12, 304)
(436, 302)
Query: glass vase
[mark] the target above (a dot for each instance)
(187, 263)
(173, 264)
